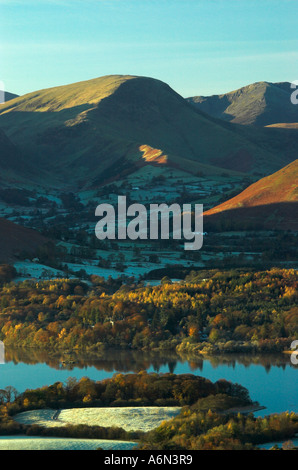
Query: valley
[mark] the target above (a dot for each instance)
(73, 303)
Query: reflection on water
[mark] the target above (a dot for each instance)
(271, 379)
(109, 361)
(135, 361)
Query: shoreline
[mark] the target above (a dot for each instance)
(245, 409)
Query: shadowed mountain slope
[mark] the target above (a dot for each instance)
(13, 167)
(15, 239)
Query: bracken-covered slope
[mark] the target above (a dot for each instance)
(15, 239)
(259, 104)
(271, 203)
(82, 134)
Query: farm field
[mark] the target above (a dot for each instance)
(44, 443)
(128, 418)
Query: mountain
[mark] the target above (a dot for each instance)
(258, 104)
(271, 202)
(8, 96)
(83, 134)
(15, 239)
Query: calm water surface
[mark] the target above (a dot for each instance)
(271, 380)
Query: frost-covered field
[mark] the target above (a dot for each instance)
(129, 418)
(40, 417)
(29, 270)
(44, 443)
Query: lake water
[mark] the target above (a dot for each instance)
(271, 380)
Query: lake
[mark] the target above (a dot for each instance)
(271, 379)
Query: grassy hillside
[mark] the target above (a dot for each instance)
(88, 132)
(259, 104)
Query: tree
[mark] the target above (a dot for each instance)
(8, 394)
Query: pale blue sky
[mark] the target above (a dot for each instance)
(196, 46)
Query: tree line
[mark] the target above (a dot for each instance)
(227, 311)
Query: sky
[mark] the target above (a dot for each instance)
(198, 47)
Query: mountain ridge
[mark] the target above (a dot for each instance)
(258, 104)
